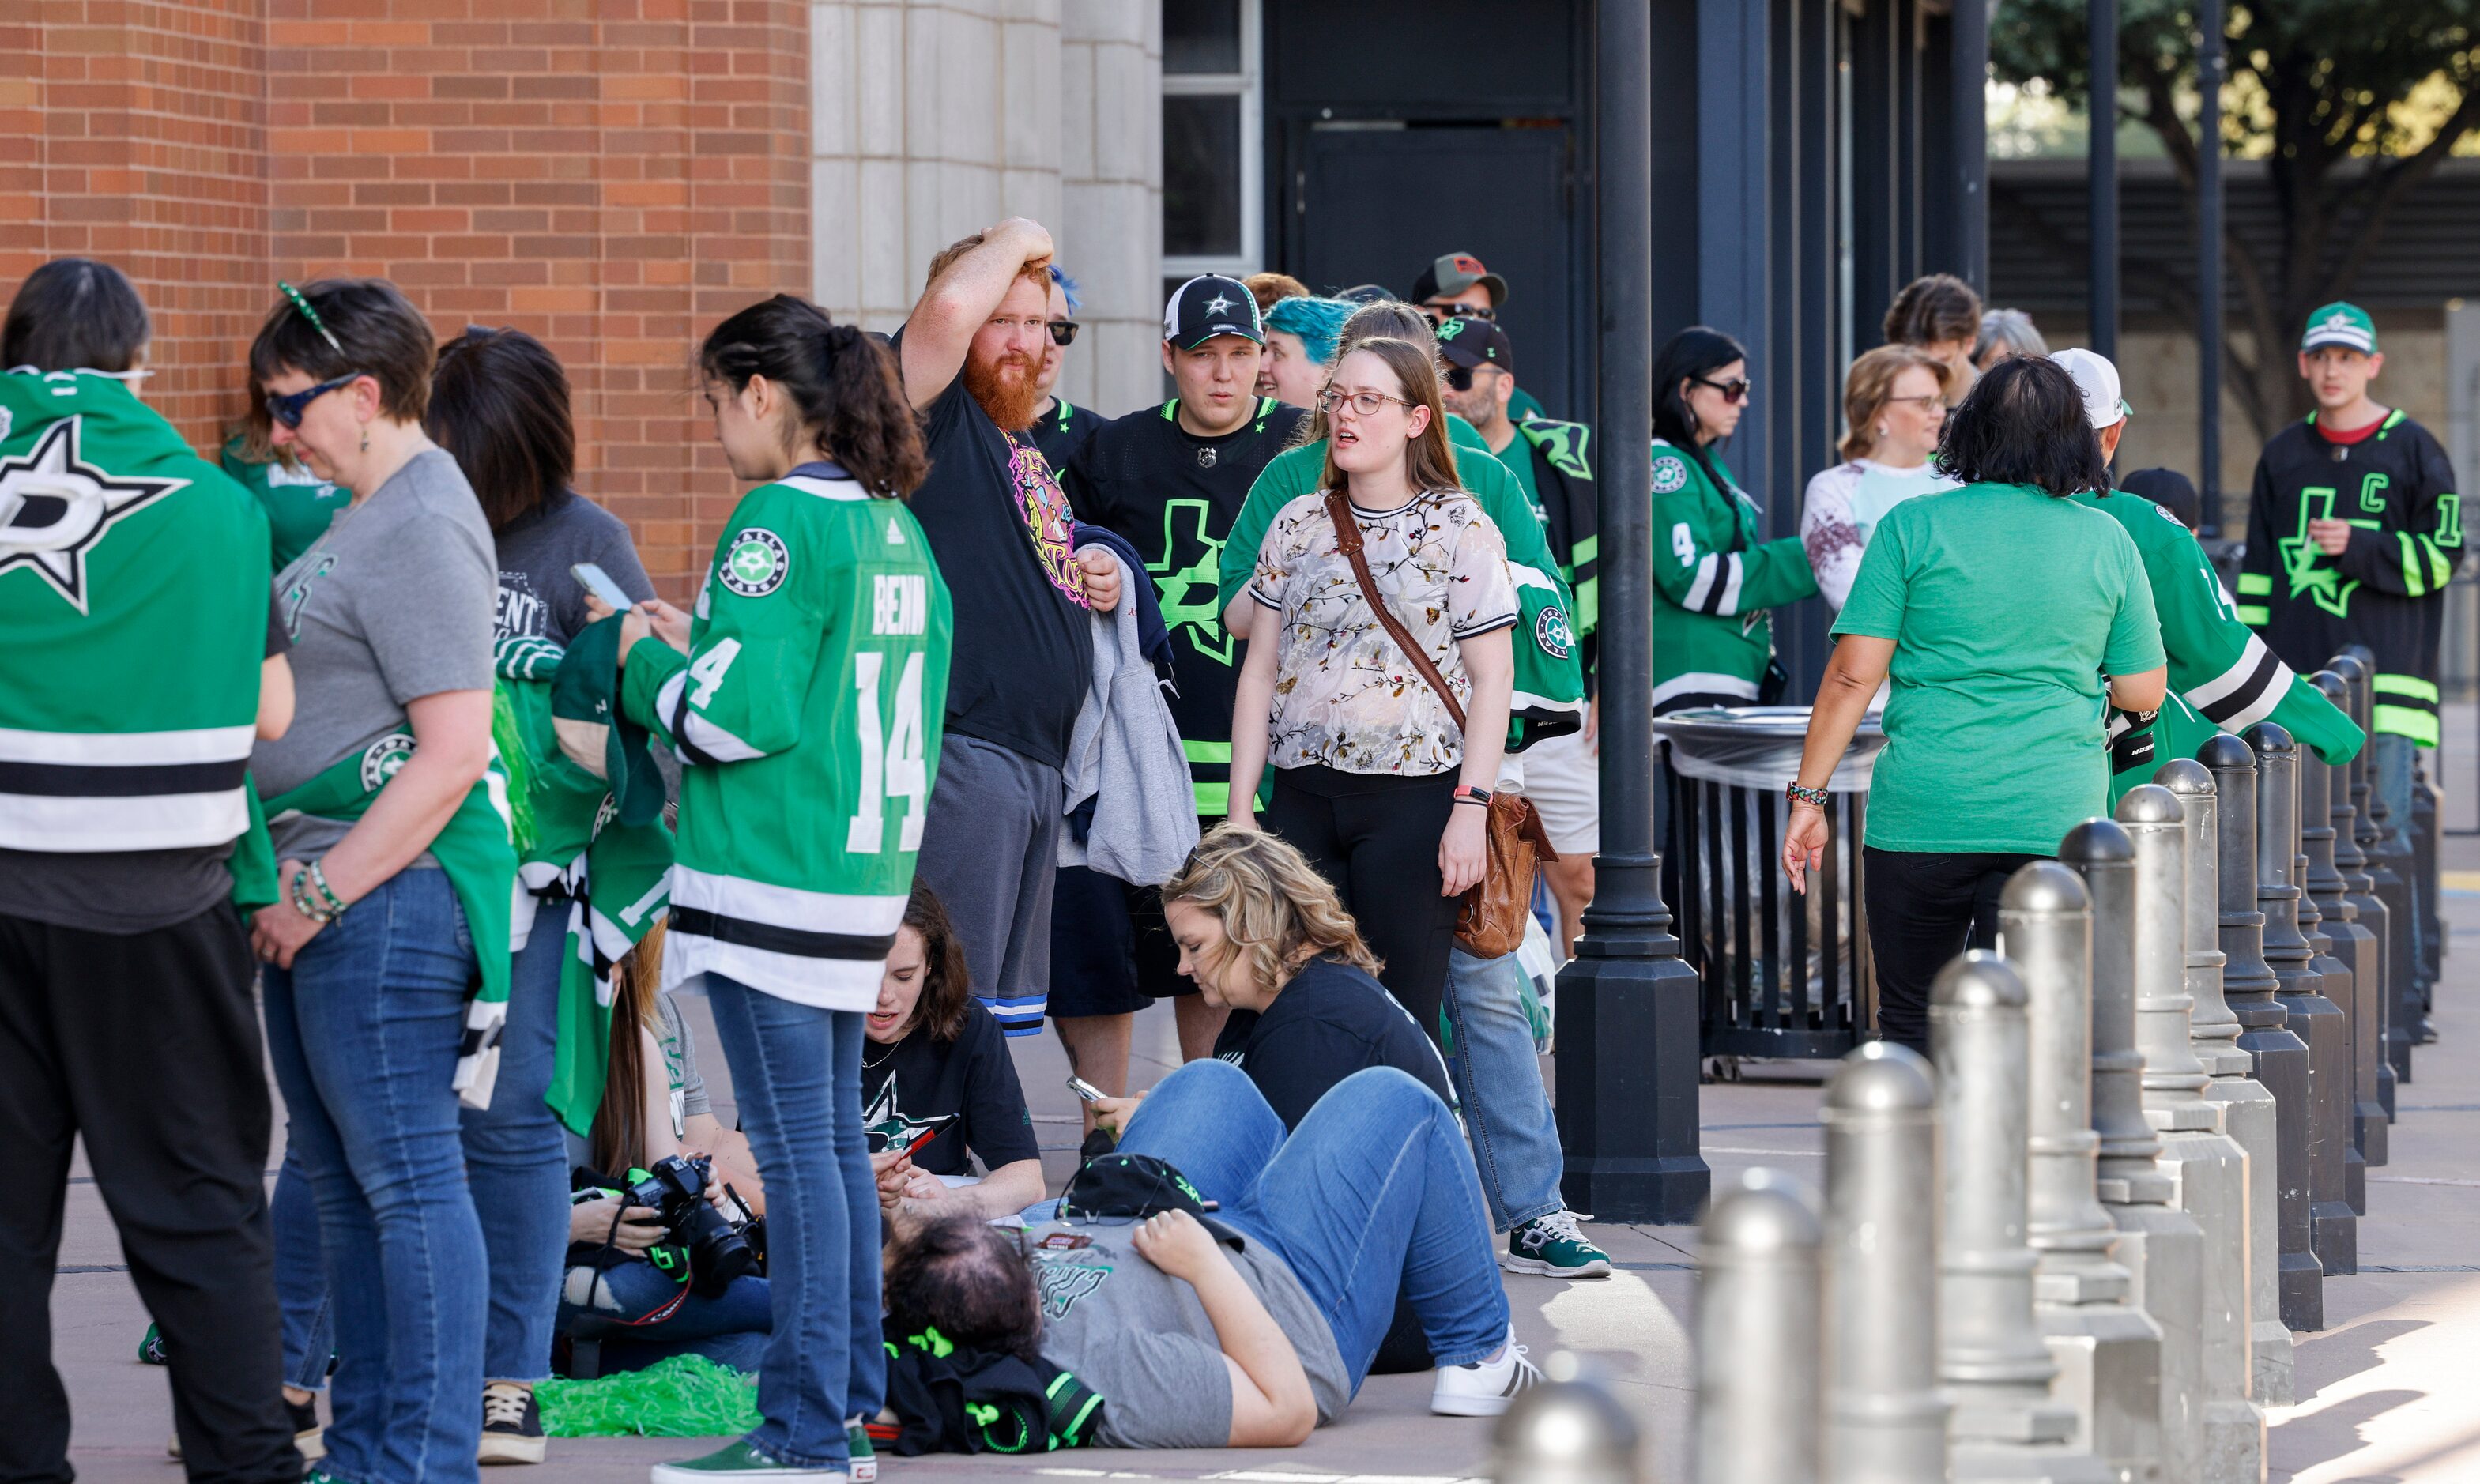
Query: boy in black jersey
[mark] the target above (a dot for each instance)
(2354, 530)
(1168, 480)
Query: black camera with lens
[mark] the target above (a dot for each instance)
(701, 1246)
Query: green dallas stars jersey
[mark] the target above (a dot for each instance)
(2222, 677)
(2387, 589)
(808, 712)
(1713, 638)
(134, 589)
(299, 503)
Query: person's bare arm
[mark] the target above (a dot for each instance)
(274, 697)
(941, 325)
(1252, 702)
(1272, 1406)
(1242, 613)
(660, 1142)
(1852, 675)
(2143, 691)
(1003, 1193)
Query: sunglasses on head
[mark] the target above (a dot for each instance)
(288, 409)
(1734, 390)
(1063, 332)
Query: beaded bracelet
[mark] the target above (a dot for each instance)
(302, 902)
(319, 879)
(1815, 797)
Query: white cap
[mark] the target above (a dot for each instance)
(2098, 380)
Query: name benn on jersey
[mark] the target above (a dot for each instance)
(899, 603)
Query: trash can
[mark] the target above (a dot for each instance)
(1782, 973)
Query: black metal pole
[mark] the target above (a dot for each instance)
(2101, 173)
(1627, 1060)
(2211, 64)
(1969, 33)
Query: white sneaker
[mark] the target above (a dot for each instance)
(1483, 1388)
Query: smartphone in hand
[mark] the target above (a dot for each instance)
(1085, 1089)
(594, 579)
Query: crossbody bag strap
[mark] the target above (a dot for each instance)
(1347, 539)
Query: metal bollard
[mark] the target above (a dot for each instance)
(2324, 837)
(1566, 1430)
(2162, 1248)
(2107, 1351)
(1991, 1357)
(2389, 868)
(2208, 1168)
(1759, 1364)
(2334, 1096)
(2280, 1065)
(1885, 1419)
(2332, 1231)
(2374, 1081)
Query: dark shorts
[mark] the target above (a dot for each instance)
(1110, 952)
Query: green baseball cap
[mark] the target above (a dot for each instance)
(2337, 324)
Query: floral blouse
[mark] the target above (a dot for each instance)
(1346, 696)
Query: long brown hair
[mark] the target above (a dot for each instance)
(616, 1143)
(1870, 382)
(1277, 912)
(843, 384)
(947, 984)
(1429, 460)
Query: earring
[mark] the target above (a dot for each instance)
(1881, 430)
(365, 438)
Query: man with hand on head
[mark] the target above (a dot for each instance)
(970, 355)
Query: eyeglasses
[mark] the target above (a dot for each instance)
(288, 410)
(1365, 403)
(1063, 332)
(1440, 314)
(1926, 402)
(1460, 378)
(1733, 390)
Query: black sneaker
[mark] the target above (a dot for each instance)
(511, 1424)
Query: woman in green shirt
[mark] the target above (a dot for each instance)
(2004, 610)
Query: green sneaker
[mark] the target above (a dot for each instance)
(150, 1350)
(1551, 1245)
(744, 1460)
(864, 1458)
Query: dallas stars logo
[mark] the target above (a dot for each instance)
(1187, 594)
(886, 1124)
(1218, 305)
(756, 563)
(55, 508)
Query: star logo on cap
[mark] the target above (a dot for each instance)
(1218, 305)
(55, 508)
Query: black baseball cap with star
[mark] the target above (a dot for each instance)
(1473, 344)
(1210, 305)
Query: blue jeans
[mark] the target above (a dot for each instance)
(2390, 755)
(796, 1073)
(363, 1031)
(1373, 1192)
(1498, 1079)
(515, 1162)
(730, 1329)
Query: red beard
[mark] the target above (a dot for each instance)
(1005, 389)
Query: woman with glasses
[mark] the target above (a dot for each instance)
(1713, 639)
(1894, 407)
(395, 875)
(1377, 780)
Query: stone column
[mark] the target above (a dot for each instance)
(1110, 199)
(1759, 1353)
(2352, 948)
(2162, 1246)
(2372, 1082)
(1885, 1419)
(2108, 1351)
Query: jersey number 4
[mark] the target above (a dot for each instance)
(890, 760)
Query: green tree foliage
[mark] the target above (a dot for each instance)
(2351, 104)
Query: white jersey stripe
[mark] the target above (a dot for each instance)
(1531, 576)
(75, 826)
(1703, 587)
(127, 749)
(1730, 605)
(827, 983)
(825, 489)
(787, 906)
(2241, 670)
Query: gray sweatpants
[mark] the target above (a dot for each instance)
(990, 849)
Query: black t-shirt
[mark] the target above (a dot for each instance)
(920, 1077)
(1024, 655)
(1330, 1021)
(1175, 496)
(1058, 432)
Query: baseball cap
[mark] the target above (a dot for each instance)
(1476, 343)
(2098, 380)
(1210, 305)
(2339, 324)
(1454, 272)
(2169, 489)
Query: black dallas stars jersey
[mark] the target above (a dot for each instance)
(1174, 495)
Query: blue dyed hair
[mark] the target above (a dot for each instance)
(1316, 321)
(1067, 287)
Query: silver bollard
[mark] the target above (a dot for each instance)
(1567, 1430)
(1991, 1356)
(2332, 1231)
(2324, 836)
(1885, 1418)
(2337, 1245)
(1759, 1361)
(2280, 1065)
(2107, 1351)
(2249, 1114)
(2208, 1168)
(2162, 1248)
(2373, 886)
(2371, 1074)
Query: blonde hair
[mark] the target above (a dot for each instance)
(1868, 385)
(1429, 460)
(1277, 912)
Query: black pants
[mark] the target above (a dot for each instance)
(1925, 907)
(147, 1044)
(1375, 835)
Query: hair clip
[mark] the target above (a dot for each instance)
(311, 315)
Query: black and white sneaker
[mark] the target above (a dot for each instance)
(512, 1430)
(1483, 1388)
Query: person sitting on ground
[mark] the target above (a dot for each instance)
(613, 1296)
(1254, 1329)
(936, 1055)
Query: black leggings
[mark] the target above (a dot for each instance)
(1925, 907)
(1375, 835)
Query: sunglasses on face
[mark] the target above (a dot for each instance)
(288, 410)
(1460, 378)
(1063, 332)
(1440, 314)
(1734, 390)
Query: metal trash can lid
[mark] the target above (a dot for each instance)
(1759, 747)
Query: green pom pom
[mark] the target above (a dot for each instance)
(684, 1397)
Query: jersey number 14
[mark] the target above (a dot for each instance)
(891, 760)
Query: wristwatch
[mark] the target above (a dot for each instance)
(1466, 793)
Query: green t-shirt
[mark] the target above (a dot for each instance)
(2006, 606)
(299, 503)
(1522, 404)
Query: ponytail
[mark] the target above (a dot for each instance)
(841, 381)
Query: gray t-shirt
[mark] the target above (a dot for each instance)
(539, 598)
(1139, 1336)
(392, 604)
(672, 1038)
